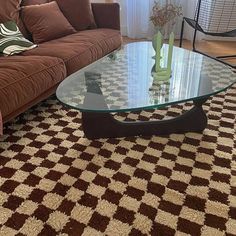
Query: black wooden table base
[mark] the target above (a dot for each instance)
(104, 125)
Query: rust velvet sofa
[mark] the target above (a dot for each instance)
(34, 75)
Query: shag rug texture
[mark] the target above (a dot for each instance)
(54, 181)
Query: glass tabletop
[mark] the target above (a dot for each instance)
(123, 81)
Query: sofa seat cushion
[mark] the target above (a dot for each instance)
(80, 49)
(23, 79)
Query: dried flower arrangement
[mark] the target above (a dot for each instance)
(163, 14)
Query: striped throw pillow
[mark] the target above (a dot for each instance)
(11, 39)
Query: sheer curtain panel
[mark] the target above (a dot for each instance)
(135, 16)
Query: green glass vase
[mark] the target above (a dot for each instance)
(154, 39)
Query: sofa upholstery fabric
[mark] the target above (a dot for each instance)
(80, 49)
(33, 2)
(80, 15)
(46, 22)
(107, 15)
(24, 78)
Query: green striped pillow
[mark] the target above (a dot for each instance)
(11, 39)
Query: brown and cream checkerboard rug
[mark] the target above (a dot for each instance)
(53, 181)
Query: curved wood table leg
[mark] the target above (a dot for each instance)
(104, 125)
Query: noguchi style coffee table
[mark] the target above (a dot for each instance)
(122, 82)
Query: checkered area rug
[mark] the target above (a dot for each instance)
(53, 181)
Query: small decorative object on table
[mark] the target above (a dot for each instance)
(160, 73)
(163, 14)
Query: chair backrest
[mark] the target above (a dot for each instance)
(216, 16)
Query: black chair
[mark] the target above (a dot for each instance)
(213, 18)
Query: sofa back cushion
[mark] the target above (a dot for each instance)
(29, 3)
(78, 12)
(46, 22)
(9, 11)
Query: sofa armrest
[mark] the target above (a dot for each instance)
(107, 15)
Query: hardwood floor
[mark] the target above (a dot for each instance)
(214, 48)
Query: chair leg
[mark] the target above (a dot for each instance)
(181, 35)
(227, 56)
(194, 40)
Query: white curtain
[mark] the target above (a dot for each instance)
(135, 17)
(138, 13)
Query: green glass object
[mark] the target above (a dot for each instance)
(154, 41)
(162, 73)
